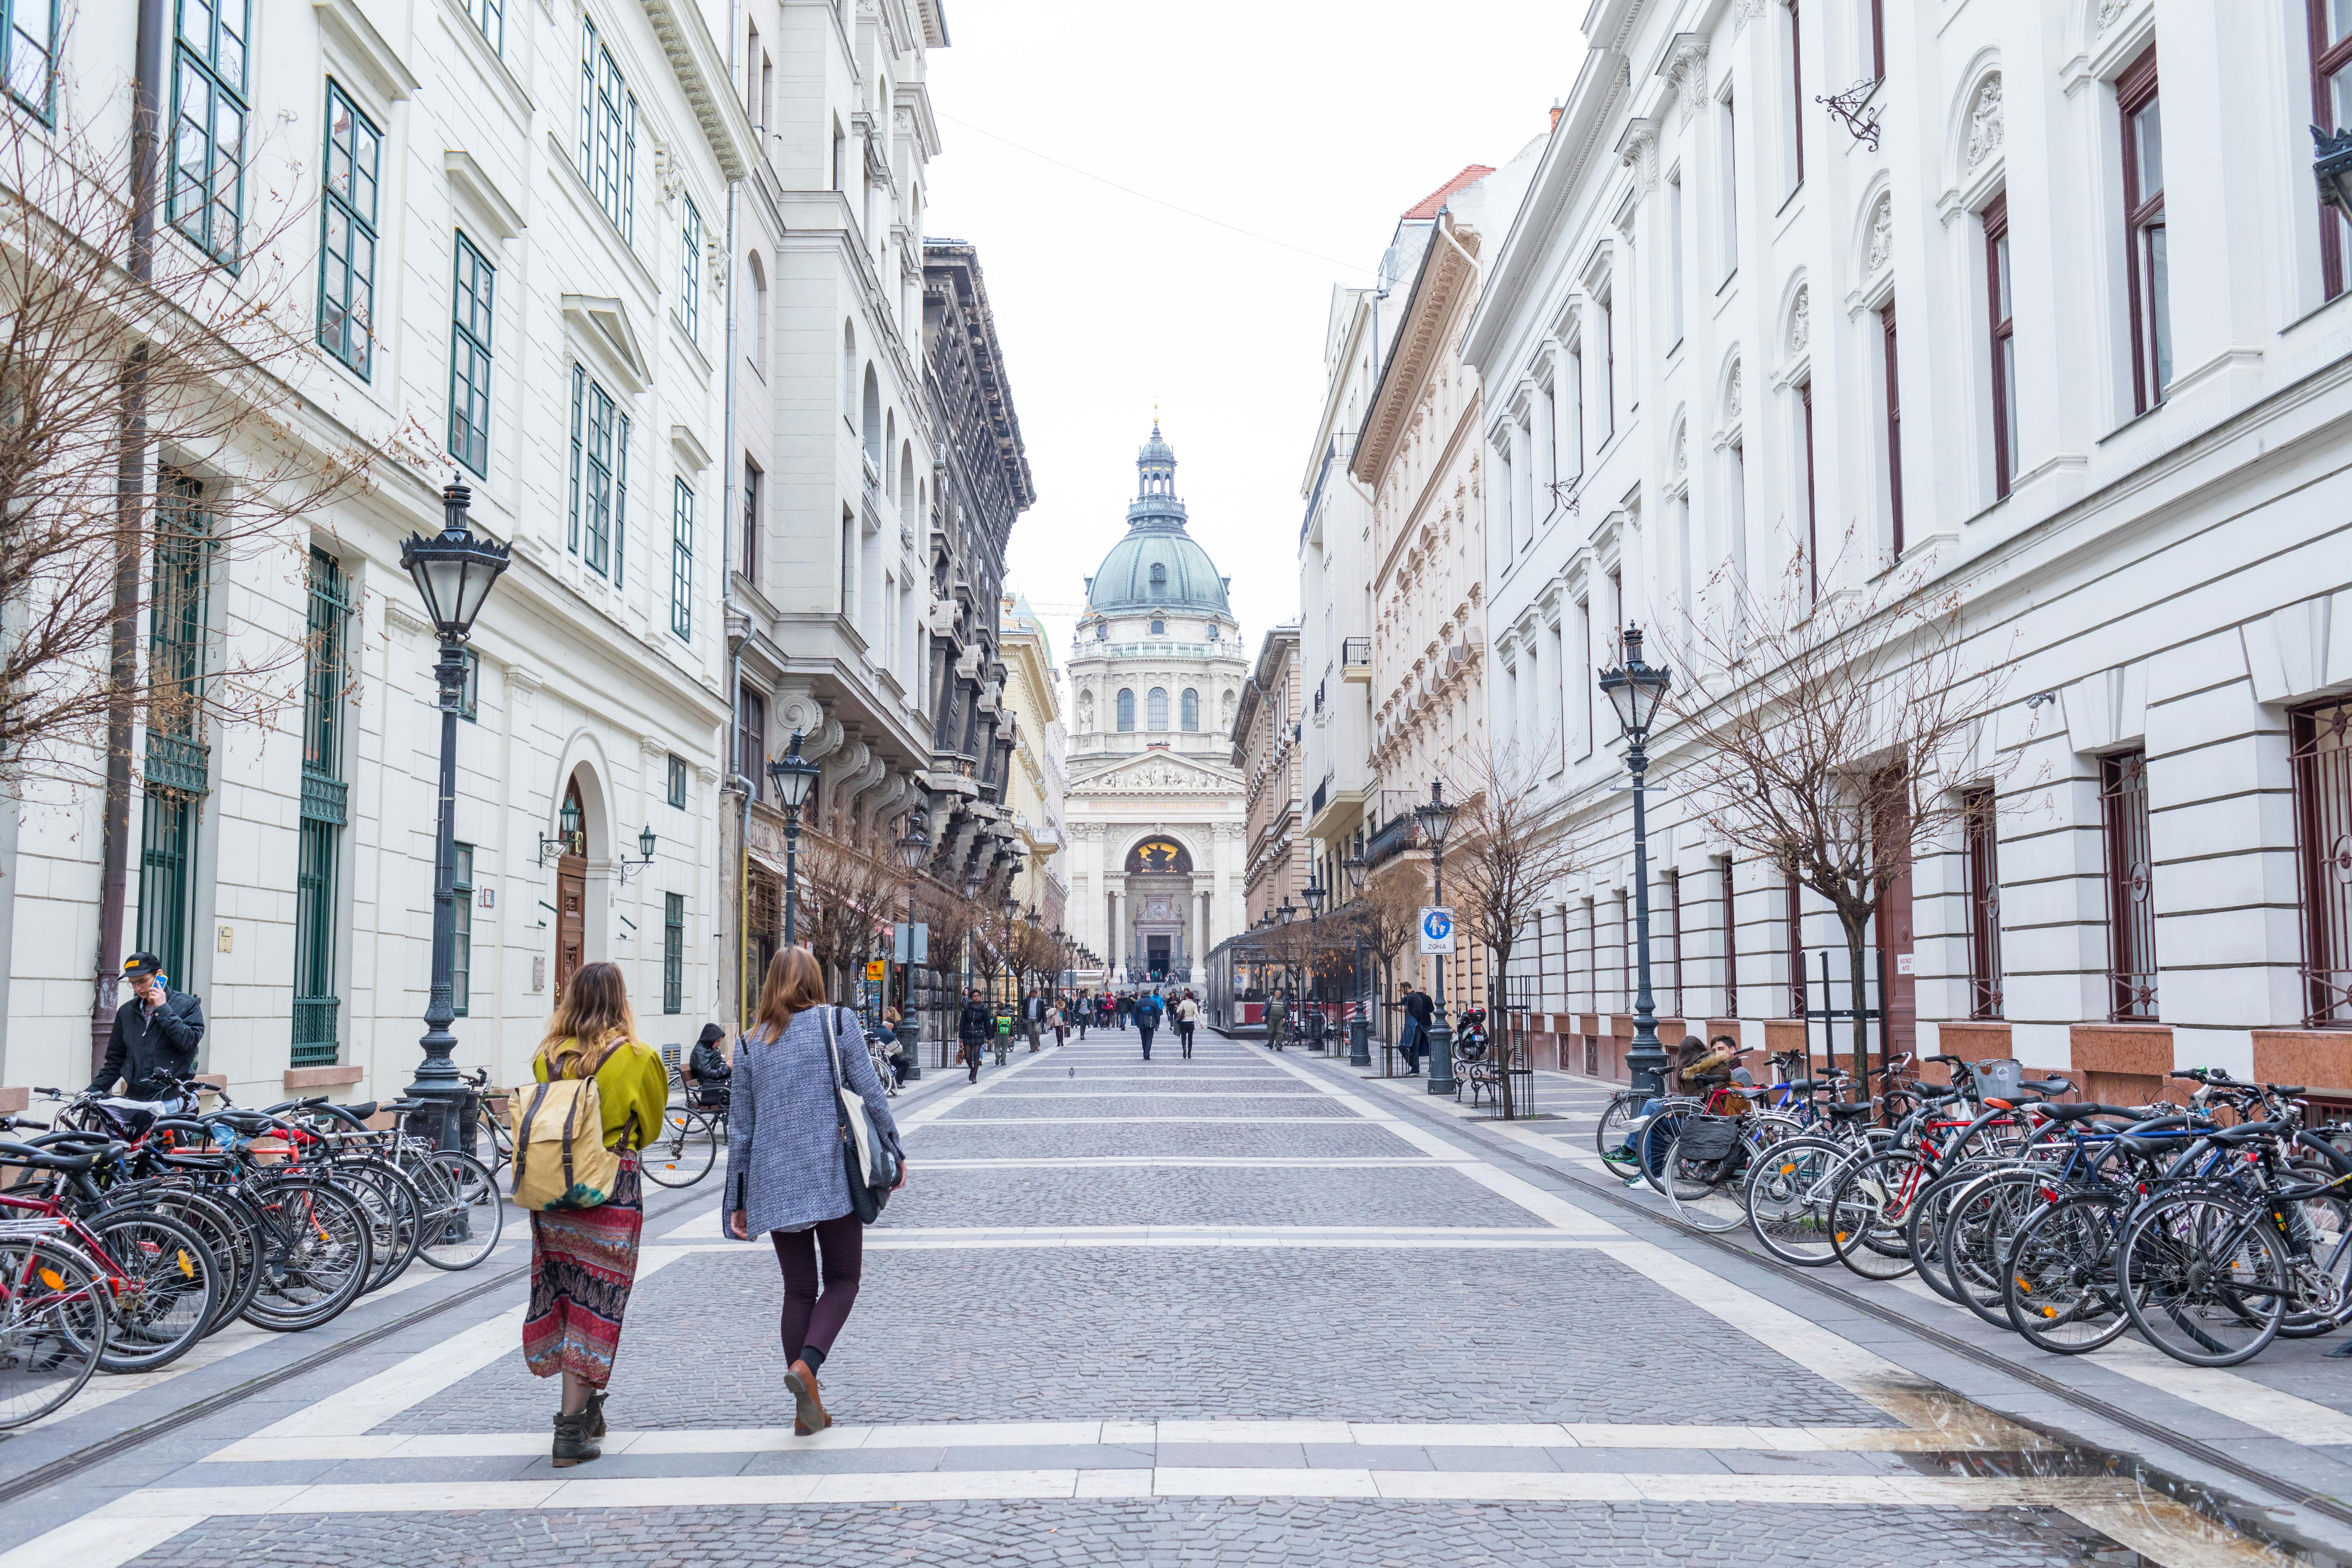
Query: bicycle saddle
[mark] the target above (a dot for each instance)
(243, 1120)
(360, 1113)
(2059, 1111)
(1846, 1111)
(2047, 1085)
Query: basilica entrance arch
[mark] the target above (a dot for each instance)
(1165, 928)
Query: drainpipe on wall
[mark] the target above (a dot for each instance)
(130, 488)
(729, 1001)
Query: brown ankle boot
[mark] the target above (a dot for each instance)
(808, 1409)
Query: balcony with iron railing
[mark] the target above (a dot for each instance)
(1355, 659)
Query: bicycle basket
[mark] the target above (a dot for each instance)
(1705, 1139)
(1999, 1079)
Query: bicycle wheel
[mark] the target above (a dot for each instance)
(464, 1213)
(1977, 1239)
(53, 1325)
(2059, 1284)
(1788, 1198)
(1866, 1214)
(2319, 1229)
(392, 1204)
(2203, 1277)
(1608, 1138)
(1709, 1196)
(1923, 1229)
(166, 1287)
(684, 1152)
(316, 1250)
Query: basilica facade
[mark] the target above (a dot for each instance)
(1155, 805)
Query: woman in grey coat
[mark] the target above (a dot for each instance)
(784, 1169)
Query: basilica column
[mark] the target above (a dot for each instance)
(1116, 951)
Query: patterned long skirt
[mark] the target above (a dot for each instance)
(583, 1264)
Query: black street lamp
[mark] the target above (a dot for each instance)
(1360, 1028)
(1435, 817)
(1635, 690)
(912, 850)
(793, 776)
(1314, 893)
(454, 573)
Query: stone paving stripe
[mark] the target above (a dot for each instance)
(1123, 1435)
(1208, 1161)
(962, 1123)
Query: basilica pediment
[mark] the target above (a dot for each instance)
(1158, 772)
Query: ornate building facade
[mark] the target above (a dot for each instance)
(1155, 803)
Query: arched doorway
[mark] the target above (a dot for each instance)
(570, 887)
(1158, 876)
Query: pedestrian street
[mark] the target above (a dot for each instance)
(1248, 1308)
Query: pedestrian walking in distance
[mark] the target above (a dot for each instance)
(1127, 1011)
(785, 1176)
(1419, 1013)
(1274, 1015)
(1032, 1017)
(1187, 1015)
(1148, 1011)
(1059, 1022)
(1080, 1011)
(583, 1261)
(974, 1025)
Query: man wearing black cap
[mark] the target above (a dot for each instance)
(156, 1034)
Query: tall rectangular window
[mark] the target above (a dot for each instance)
(1980, 846)
(672, 952)
(600, 477)
(1812, 520)
(1796, 921)
(206, 194)
(673, 782)
(1796, 100)
(1592, 953)
(2321, 758)
(1731, 945)
(2131, 887)
(690, 268)
(2004, 331)
(1729, 157)
(2331, 110)
(1673, 902)
(1674, 252)
(608, 134)
(1625, 950)
(1878, 40)
(490, 16)
(1608, 366)
(2146, 289)
(318, 846)
(747, 557)
(681, 560)
(461, 912)
(31, 41)
(473, 316)
(1894, 429)
(177, 762)
(347, 234)
(752, 741)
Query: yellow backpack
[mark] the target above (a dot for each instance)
(560, 1158)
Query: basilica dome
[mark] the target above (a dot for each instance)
(1156, 565)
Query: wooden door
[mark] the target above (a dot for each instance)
(571, 918)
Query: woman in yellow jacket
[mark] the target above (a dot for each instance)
(583, 1261)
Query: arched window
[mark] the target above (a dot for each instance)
(881, 459)
(1159, 580)
(1191, 708)
(1159, 704)
(758, 315)
(1127, 707)
(871, 419)
(908, 494)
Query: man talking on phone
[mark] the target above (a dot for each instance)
(156, 1036)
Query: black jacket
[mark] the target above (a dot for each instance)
(708, 1065)
(1419, 1008)
(977, 1022)
(1034, 1009)
(151, 1054)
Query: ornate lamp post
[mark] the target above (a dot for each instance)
(454, 573)
(1435, 817)
(912, 850)
(1635, 690)
(1314, 893)
(793, 776)
(1360, 1028)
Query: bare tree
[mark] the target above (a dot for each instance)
(1504, 857)
(1830, 738)
(150, 434)
(846, 896)
(1384, 913)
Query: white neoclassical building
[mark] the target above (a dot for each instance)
(2117, 438)
(1155, 805)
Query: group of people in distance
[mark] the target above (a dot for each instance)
(1063, 1014)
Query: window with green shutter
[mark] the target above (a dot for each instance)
(672, 952)
(682, 561)
(678, 781)
(600, 477)
(205, 197)
(323, 814)
(473, 312)
(347, 235)
(461, 888)
(177, 760)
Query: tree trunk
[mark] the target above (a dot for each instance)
(1853, 958)
(1497, 1052)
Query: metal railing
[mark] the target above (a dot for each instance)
(1354, 650)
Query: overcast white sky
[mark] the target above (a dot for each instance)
(1311, 122)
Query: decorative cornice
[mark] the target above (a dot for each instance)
(695, 59)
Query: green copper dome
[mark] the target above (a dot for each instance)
(1157, 566)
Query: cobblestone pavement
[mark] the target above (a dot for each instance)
(1243, 1310)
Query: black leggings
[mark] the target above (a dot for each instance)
(813, 1321)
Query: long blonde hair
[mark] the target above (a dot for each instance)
(795, 984)
(592, 1014)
